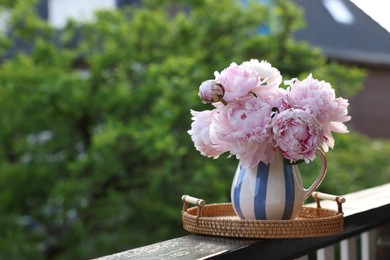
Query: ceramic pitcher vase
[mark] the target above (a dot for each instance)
(271, 191)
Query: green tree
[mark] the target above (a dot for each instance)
(94, 148)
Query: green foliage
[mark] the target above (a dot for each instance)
(93, 140)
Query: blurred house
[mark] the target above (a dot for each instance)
(347, 35)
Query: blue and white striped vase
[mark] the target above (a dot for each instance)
(271, 191)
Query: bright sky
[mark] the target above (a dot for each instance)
(377, 9)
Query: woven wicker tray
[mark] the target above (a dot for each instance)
(221, 220)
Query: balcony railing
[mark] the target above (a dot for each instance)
(364, 212)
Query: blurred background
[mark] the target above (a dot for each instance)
(95, 100)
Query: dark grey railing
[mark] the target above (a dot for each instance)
(364, 211)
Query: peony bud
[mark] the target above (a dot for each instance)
(211, 91)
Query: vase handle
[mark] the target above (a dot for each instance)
(320, 177)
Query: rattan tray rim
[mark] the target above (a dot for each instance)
(219, 219)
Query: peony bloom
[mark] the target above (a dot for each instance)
(297, 133)
(240, 129)
(211, 91)
(200, 133)
(274, 98)
(266, 72)
(237, 81)
(318, 98)
(339, 116)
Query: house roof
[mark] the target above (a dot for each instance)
(355, 38)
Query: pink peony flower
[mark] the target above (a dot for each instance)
(339, 115)
(237, 81)
(200, 133)
(240, 129)
(297, 133)
(211, 91)
(273, 98)
(318, 98)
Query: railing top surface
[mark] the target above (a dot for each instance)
(364, 200)
(363, 210)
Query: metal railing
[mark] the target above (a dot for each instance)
(364, 211)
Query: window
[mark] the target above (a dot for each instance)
(339, 11)
(4, 16)
(81, 10)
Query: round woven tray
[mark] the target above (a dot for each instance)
(221, 220)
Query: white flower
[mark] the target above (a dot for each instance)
(266, 72)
